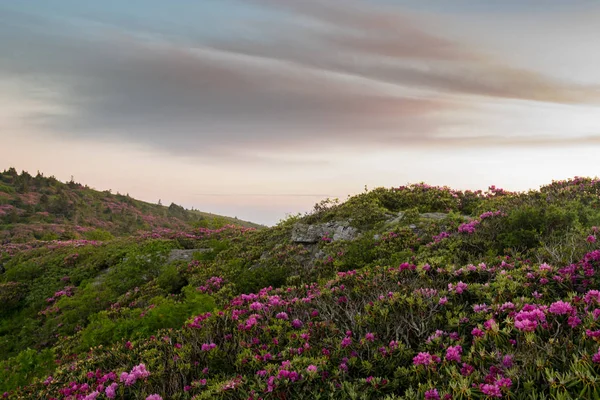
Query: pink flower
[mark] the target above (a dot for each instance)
(504, 383)
(370, 337)
(491, 390)
(467, 369)
(453, 353)
(432, 394)
(423, 358)
(596, 357)
(592, 296)
(154, 397)
(208, 346)
(443, 300)
(545, 267)
(111, 391)
(459, 288)
(490, 324)
(297, 324)
(311, 368)
(560, 307)
(282, 315)
(347, 341)
(591, 239)
(477, 332)
(574, 321)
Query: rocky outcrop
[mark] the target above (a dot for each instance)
(335, 230)
(185, 255)
(438, 216)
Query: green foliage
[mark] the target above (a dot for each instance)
(22, 369)
(107, 327)
(392, 292)
(98, 234)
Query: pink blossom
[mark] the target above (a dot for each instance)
(432, 394)
(423, 358)
(477, 332)
(347, 341)
(282, 315)
(591, 239)
(490, 390)
(560, 307)
(453, 353)
(297, 323)
(208, 346)
(111, 391)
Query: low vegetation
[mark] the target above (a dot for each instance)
(494, 296)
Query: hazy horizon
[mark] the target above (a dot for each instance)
(261, 108)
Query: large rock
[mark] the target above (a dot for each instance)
(335, 230)
(434, 215)
(185, 255)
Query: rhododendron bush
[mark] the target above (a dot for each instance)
(498, 298)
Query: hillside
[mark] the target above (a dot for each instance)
(42, 208)
(409, 292)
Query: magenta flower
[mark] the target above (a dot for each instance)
(459, 288)
(467, 369)
(574, 321)
(423, 358)
(490, 390)
(477, 332)
(591, 239)
(208, 346)
(596, 357)
(111, 391)
(453, 353)
(347, 341)
(282, 315)
(370, 337)
(297, 324)
(432, 394)
(507, 361)
(560, 307)
(504, 383)
(154, 397)
(311, 368)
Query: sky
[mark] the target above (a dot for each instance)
(261, 108)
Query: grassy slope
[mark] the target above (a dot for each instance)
(64, 299)
(45, 209)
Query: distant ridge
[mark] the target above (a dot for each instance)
(43, 208)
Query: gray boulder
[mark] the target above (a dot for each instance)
(434, 215)
(336, 230)
(185, 255)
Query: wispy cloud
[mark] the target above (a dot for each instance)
(328, 72)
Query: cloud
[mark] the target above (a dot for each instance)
(328, 75)
(397, 46)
